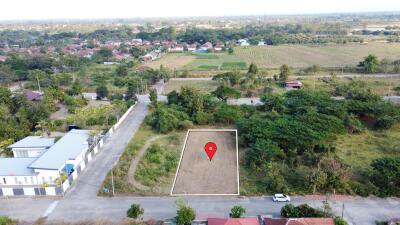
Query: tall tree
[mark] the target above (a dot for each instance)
(370, 64)
(285, 72)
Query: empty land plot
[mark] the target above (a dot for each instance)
(205, 86)
(324, 55)
(197, 175)
(215, 61)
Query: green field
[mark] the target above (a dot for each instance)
(215, 61)
(323, 55)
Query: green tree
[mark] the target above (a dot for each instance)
(285, 72)
(102, 92)
(135, 211)
(136, 52)
(76, 88)
(5, 96)
(185, 215)
(262, 152)
(224, 92)
(122, 70)
(301, 211)
(253, 69)
(370, 64)
(237, 211)
(386, 175)
(153, 97)
(231, 51)
(7, 74)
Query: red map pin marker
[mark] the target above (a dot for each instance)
(211, 149)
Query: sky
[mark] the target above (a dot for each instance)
(86, 9)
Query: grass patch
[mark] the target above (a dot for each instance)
(233, 65)
(358, 151)
(205, 86)
(159, 164)
(206, 56)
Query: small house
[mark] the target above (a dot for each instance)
(293, 84)
(299, 221)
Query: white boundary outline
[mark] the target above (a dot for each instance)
(180, 160)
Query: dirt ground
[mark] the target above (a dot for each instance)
(198, 175)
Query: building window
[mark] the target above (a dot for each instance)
(16, 180)
(4, 180)
(51, 179)
(32, 181)
(26, 180)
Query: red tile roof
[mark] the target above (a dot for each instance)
(233, 221)
(299, 221)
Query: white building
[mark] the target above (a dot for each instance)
(62, 157)
(32, 146)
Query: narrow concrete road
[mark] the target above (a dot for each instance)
(90, 181)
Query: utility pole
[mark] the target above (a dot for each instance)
(37, 78)
(112, 182)
(342, 209)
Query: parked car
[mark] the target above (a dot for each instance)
(281, 198)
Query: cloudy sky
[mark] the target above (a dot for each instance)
(61, 9)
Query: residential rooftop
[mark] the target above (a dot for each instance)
(16, 166)
(67, 148)
(33, 142)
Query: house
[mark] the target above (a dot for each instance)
(33, 95)
(3, 58)
(243, 42)
(176, 48)
(261, 43)
(233, 221)
(206, 46)
(62, 157)
(299, 221)
(218, 47)
(90, 96)
(293, 84)
(32, 146)
(192, 47)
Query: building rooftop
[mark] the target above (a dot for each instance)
(299, 221)
(68, 147)
(16, 166)
(33, 142)
(233, 221)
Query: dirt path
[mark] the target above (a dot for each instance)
(135, 163)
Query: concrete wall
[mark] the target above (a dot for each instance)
(18, 180)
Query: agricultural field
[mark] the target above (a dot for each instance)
(204, 86)
(172, 61)
(323, 55)
(215, 61)
(197, 174)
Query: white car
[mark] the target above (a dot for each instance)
(281, 198)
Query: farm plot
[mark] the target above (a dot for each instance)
(204, 86)
(216, 61)
(198, 175)
(324, 55)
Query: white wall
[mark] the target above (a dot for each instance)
(27, 152)
(47, 176)
(18, 180)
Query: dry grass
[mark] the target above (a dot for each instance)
(205, 86)
(172, 61)
(323, 55)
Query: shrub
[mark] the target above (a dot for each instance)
(4, 220)
(237, 211)
(303, 210)
(340, 221)
(135, 211)
(185, 215)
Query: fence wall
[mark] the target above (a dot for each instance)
(52, 190)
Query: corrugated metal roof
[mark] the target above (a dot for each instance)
(33, 142)
(68, 147)
(16, 166)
